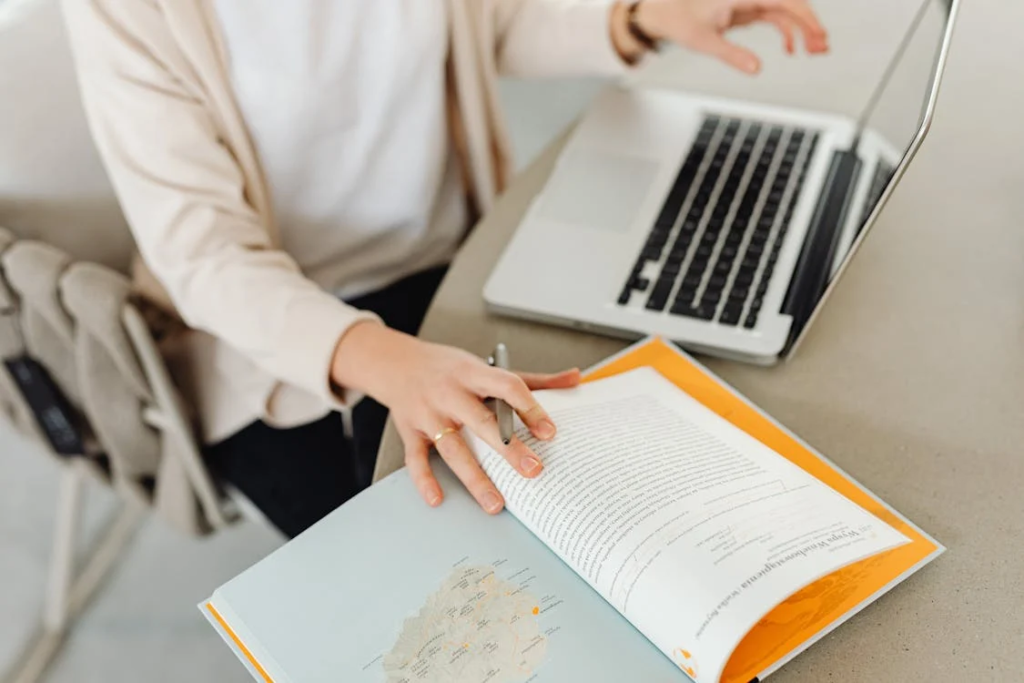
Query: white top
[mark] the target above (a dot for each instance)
(346, 106)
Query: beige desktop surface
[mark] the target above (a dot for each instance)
(912, 380)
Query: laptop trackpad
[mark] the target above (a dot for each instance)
(597, 189)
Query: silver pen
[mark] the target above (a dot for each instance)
(501, 408)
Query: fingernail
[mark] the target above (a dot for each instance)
(433, 499)
(491, 501)
(545, 429)
(530, 465)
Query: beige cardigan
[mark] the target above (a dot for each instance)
(161, 108)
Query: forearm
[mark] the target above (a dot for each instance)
(548, 38)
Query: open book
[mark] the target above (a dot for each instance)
(675, 531)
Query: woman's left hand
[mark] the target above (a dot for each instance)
(700, 25)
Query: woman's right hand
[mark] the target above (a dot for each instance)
(701, 25)
(432, 392)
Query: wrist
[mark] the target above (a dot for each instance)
(625, 43)
(634, 29)
(365, 357)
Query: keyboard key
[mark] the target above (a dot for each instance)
(659, 296)
(657, 239)
(751, 321)
(700, 312)
(739, 293)
(651, 253)
(692, 280)
(686, 294)
(731, 314)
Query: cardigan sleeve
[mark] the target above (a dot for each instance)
(184, 196)
(555, 38)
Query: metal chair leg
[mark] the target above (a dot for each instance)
(67, 594)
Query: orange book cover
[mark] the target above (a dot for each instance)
(822, 606)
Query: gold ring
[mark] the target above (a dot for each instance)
(443, 433)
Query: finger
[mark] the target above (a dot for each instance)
(464, 466)
(562, 380)
(511, 388)
(799, 10)
(785, 26)
(417, 461)
(801, 13)
(732, 54)
(481, 420)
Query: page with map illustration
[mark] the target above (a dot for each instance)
(676, 532)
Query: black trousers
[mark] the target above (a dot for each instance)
(297, 476)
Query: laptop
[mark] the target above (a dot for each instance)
(719, 224)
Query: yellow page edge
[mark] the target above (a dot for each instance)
(222, 626)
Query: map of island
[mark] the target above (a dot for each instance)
(477, 628)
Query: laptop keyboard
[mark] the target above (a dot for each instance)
(712, 251)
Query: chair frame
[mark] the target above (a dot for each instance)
(71, 583)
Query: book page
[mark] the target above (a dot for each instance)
(690, 528)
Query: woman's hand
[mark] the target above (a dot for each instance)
(433, 391)
(700, 25)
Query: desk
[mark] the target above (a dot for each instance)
(912, 380)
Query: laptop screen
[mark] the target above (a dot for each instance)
(896, 111)
(892, 125)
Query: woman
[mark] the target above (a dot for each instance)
(297, 174)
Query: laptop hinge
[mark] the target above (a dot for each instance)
(811, 276)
